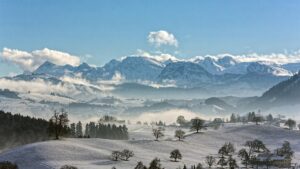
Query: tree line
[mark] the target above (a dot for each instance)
(16, 130)
(59, 127)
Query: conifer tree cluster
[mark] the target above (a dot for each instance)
(19, 130)
(107, 131)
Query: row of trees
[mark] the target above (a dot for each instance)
(197, 124)
(250, 117)
(107, 131)
(58, 126)
(18, 130)
(254, 153)
(122, 155)
(225, 157)
(253, 117)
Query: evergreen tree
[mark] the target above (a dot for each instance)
(79, 129)
(155, 164)
(222, 161)
(232, 162)
(232, 118)
(140, 165)
(72, 130)
(269, 118)
(245, 157)
(87, 131)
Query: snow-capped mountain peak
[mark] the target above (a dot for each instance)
(267, 68)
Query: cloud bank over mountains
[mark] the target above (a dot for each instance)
(29, 61)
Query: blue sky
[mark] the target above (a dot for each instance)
(114, 28)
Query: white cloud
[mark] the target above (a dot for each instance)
(35, 86)
(278, 58)
(170, 116)
(29, 61)
(161, 57)
(162, 37)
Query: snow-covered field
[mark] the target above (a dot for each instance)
(95, 153)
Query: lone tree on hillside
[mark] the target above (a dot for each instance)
(179, 134)
(175, 154)
(126, 154)
(58, 123)
(197, 124)
(157, 133)
(210, 161)
(290, 123)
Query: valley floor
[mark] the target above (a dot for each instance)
(95, 153)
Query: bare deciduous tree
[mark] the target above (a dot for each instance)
(58, 122)
(157, 133)
(210, 161)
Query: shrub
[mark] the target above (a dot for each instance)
(68, 167)
(126, 154)
(116, 155)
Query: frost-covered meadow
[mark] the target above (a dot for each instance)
(94, 153)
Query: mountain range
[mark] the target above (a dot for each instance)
(140, 84)
(219, 76)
